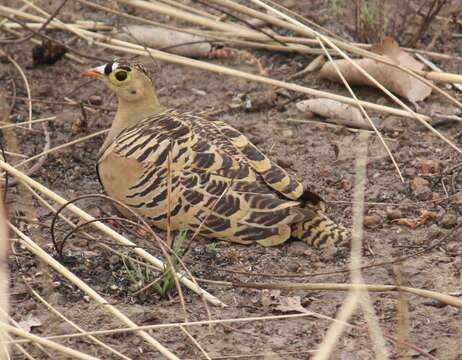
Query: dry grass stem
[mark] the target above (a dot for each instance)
(432, 66)
(4, 280)
(328, 345)
(108, 231)
(74, 354)
(77, 24)
(37, 345)
(334, 46)
(195, 342)
(74, 29)
(75, 326)
(18, 124)
(26, 84)
(403, 316)
(130, 48)
(233, 28)
(178, 325)
(4, 246)
(364, 113)
(294, 25)
(62, 146)
(443, 298)
(47, 259)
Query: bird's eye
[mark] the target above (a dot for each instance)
(119, 76)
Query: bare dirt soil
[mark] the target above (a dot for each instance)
(321, 156)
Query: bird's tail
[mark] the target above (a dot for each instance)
(321, 232)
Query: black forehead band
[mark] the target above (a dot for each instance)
(108, 68)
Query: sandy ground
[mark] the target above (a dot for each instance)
(320, 156)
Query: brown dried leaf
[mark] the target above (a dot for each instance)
(290, 304)
(392, 78)
(315, 64)
(270, 297)
(29, 323)
(159, 38)
(338, 112)
(415, 222)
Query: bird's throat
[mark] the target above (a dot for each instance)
(129, 114)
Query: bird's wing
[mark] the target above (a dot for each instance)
(217, 177)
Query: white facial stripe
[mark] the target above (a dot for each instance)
(100, 69)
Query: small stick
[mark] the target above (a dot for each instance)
(432, 66)
(52, 345)
(62, 146)
(75, 326)
(4, 280)
(44, 256)
(26, 84)
(41, 159)
(26, 122)
(195, 342)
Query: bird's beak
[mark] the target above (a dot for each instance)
(95, 73)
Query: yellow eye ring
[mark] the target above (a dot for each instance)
(119, 77)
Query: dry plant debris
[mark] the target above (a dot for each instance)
(335, 111)
(391, 77)
(243, 329)
(172, 41)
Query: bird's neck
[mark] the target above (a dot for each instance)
(130, 113)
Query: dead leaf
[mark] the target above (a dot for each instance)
(179, 43)
(392, 78)
(290, 304)
(316, 64)
(270, 297)
(429, 166)
(415, 222)
(336, 111)
(29, 323)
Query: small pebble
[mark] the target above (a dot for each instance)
(64, 328)
(297, 248)
(448, 220)
(293, 267)
(114, 259)
(435, 303)
(458, 264)
(136, 341)
(372, 221)
(329, 254)
(198, 92)
(393, 213)
(29, 305)
(429, 166)
(95, 100)
(287, 133)
(419, 184)
(284, 162)
(454, 248)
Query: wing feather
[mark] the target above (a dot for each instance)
(220, 181)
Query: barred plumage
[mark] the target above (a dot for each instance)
(220, 182)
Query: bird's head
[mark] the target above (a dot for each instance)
(129, 81)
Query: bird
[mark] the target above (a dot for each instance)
(183, 170)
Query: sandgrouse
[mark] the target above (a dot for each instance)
(200, 173)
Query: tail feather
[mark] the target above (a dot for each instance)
(321, 232)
